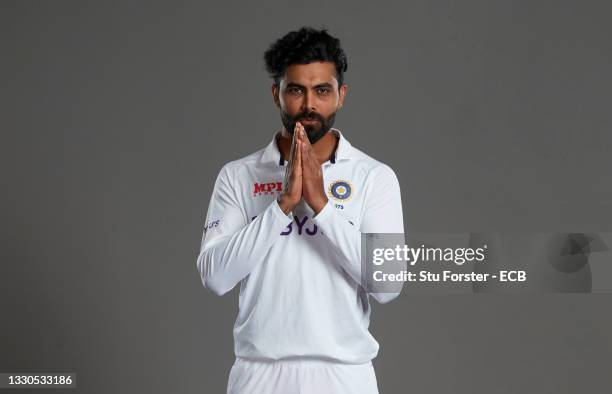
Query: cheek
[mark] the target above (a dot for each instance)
(290, 105)
(329, 103)
(329, 108)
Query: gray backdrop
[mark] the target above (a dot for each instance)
(117, 116)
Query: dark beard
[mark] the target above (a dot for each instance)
(313, 132)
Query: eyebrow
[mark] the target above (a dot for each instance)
(321, 85)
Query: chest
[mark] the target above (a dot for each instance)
(343, 185)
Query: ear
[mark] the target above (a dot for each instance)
(275, 92)
(342, 93)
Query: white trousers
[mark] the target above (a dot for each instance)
(301, 376)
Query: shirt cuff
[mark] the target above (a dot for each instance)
(279, 214)
(324, 213)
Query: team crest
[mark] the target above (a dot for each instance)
(340, 190)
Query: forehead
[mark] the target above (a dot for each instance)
(311, 74)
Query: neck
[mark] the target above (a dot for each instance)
(323, 148)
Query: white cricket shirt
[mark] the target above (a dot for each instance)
(299, 275)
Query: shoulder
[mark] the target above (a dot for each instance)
(235, 168)
(373, 168)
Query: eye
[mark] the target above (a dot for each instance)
(323, 90)
(295, 90)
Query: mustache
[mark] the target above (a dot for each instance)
(311, 115)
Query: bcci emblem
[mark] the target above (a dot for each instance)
(340, 190)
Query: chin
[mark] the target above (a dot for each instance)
(315, 135)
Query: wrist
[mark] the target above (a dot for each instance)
(318, 205)
(284, 204)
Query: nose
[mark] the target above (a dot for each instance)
(308, 104)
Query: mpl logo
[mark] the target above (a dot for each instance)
(267, 188)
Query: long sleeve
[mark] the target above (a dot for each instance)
(231, 247)
(382, 214)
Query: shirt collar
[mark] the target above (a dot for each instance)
(344, 150)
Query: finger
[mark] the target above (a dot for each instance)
(305, 138)
(299, 134)
(311, 157)
(286, 180)
(290, 163)
(298, 159)
(297, 130)
(305, 147)
(305, 157)
(293, 145)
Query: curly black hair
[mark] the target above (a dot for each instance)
(304, 46)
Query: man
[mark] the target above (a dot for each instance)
(285, 223)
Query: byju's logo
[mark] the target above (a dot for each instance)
(212, 224)
(267, 188)
(302, 227)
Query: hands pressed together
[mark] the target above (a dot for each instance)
(303, 176)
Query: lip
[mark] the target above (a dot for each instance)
(308, 120)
